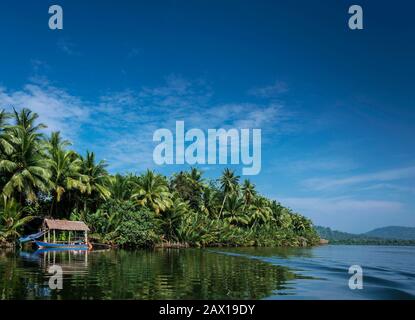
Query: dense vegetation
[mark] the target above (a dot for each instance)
(42, 177)
(338, 237)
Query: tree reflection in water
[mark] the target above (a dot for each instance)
(142, 274)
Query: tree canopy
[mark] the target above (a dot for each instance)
(41, 176)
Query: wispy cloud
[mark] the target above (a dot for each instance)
(270, 91)
(119, 125)
(314, 163)
(178, 99)
(380, 176)
(39, 66)
(390, 187)
(60, 110)
(68, 47)
(345, 213)
(339, 204)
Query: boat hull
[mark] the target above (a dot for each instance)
(47, 245)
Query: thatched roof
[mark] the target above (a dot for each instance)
(66, 225)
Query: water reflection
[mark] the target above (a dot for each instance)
(215, 273)
(158, 274)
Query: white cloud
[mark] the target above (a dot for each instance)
(389, 186)
(320, 164)
(385, 175)
(59, 110)
(120, 125)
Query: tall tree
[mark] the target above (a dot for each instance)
(248, 192)
(229, 185)
(97, 185)
(120, 187)
(209, 204)
(26, 168)
(26, 119)
(260, 210)
(189, 185)
(65, 171)
(233, 211)
(5, 145)
(172, 217)
(152, 191)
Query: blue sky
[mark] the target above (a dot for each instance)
(336, 107)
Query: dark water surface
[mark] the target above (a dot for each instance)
(217, 273)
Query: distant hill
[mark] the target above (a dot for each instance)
(329, 234)
(382, 236)
(393, 232)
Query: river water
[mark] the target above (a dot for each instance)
(212, 273)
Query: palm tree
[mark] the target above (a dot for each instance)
(172, 218)
(189, 185)
(97, 179)
(229, 185)
(261, 211)
(120, 187)
(5, 145)
(197, 183)
(248, 192)
(209, 203)
(26, 169)
(26, 119)
(65, 169)
(152, 191)
(233, 210)
(284, 219)
(11, 219)
(300, 223)
(56, 142)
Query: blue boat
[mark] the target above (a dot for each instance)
(72, 246)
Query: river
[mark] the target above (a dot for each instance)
(212, 273)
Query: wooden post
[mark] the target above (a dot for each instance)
(69, 237)
(54, 236)
(86, 236)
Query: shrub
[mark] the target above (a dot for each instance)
(138, 229)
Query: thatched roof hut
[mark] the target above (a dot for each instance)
(65, 225)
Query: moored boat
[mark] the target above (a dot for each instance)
(61, 234)
(75, 246)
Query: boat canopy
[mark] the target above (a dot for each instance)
(65, 225)
(31, 237)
